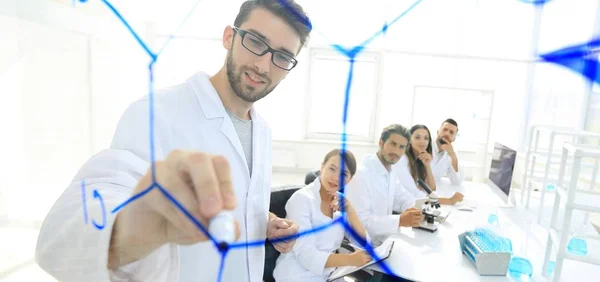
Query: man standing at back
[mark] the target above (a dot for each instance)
(445, 161)
(375, 190)
(212, 152)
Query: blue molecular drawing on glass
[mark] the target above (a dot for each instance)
(535, 2)
(580, 58)
(84, 202)
(351, 53)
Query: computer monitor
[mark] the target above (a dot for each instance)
(501, 172)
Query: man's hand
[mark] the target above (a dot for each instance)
(411, 218)
(279, 227)
(448, 148)
(199, 182)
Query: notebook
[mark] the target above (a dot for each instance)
(383, 252)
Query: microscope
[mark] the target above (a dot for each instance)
(430, 207)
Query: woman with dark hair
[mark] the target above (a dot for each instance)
(313, 257)
(416, 164)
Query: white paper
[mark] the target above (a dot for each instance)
(383, 251)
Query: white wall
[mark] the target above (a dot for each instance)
(66, 78)
(9, 69)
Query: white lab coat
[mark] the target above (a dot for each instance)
(406, 180)
(189, 116)
(441, 165)
(375, 193)
(310, 253)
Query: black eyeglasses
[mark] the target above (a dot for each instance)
(258, 47)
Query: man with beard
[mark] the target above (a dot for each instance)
(445, 161)
(376, 192)
(209, 154)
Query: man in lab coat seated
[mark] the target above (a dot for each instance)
(212, 152)
(376, 192)
(445, 161)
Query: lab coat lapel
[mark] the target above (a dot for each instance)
(258, 143)
(381, 174)
(390, 192)
(213, 108)
(228, 130)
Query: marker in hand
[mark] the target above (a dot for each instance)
(222, 227)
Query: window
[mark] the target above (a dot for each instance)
(555, 107)
(565, 23)
(558, 99)
(593, 116)
(345, 22)
(403, 73)
(283, 109)
(472, 28)
(470, 108)
(207, 20)
(327, 88)
(184, 57)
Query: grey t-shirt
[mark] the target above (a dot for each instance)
(244, 132)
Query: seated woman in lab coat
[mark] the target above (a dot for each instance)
(313, 257)
(416, 164)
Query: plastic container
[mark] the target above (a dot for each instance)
(520, 269)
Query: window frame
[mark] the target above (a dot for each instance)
(483, 91)
(366, 55)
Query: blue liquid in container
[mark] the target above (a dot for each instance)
(577, 246)
(551, 266)
(520, 269)
(493, 218)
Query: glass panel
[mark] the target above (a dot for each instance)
(327, 90)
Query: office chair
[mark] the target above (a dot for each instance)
(279, 197)
(311, 176)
